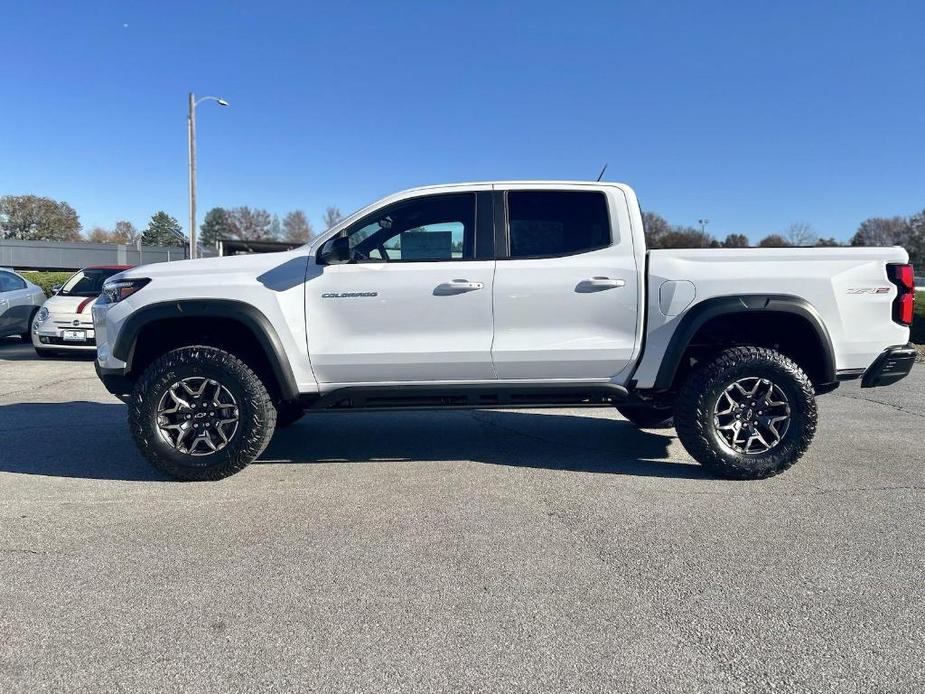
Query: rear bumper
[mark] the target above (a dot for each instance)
(892, 365)
(114, 380)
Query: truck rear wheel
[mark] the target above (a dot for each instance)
(200, 413)
(647, 416)
(748, 414)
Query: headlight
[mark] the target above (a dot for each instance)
(42, 315)
(114, 292)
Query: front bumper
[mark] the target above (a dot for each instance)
(116, 381)
(891, 366)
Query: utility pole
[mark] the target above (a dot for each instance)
(191, 135)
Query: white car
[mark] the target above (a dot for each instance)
(64, 322)
(19, 302)
(503, 294)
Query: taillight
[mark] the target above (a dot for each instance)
(904, 303)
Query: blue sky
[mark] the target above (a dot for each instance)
(752, 114)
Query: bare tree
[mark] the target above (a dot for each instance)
(801, 234)
(99, 235)
(332, 216)
(774, 241)
(124, 232)
(276, 229)
(736, 241)
(881, 231)
(655, 227)
(686, 237)
(297, 227)
(248, 224)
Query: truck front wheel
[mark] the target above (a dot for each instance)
(748, 414)
(200, 413)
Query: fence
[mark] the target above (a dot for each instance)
(50, 255)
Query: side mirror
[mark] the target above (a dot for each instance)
(55, 288)
(336, 251)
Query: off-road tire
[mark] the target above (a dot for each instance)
(256, 413)
(647, 416)
(288, 413)
(694, 412)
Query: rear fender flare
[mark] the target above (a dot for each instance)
(708, 309)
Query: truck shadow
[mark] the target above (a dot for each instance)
(90, 440)
(535, 439)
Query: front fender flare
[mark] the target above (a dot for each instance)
(249, 316)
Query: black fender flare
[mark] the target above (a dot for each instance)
(247, 315)
(714, 307)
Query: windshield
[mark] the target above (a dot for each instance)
(87, 282)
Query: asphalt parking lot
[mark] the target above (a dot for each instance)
(553, 550)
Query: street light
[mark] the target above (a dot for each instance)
(191, 132)
(703, 225)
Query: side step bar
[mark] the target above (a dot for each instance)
(469, 396)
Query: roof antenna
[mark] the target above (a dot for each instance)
(601, 175)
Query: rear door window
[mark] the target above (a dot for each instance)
(10, 282)
(549, 223)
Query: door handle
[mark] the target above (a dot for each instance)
(457, 287)
(596, 283)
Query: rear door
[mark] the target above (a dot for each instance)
(15, 304)
(566, 296)
(414, 303)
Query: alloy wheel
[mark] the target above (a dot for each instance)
(752, 415)
(197, 416)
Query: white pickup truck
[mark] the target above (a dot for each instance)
(505, 294)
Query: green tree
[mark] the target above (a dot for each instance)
(829, 242)
(297, 228)
(163, 230)
(915, 240)
(215, 226)
(736, 241)
(35, 218)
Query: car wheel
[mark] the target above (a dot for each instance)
(647, 416)
(288, 413)
(200, 413)
(27, 335)
(748, 414)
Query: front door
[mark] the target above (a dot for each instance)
(566, 289)
(414, 303)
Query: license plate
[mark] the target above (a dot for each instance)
(74, 335)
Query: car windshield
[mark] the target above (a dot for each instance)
(87, 282)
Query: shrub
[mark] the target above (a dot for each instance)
(46, 280)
